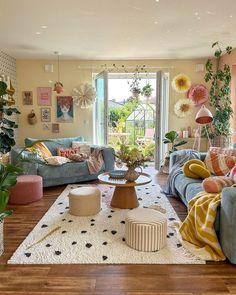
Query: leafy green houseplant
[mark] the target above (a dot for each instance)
(220, 99)
(171, 138)
(147, 90)
(6, 126)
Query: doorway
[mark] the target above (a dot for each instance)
(134, 119)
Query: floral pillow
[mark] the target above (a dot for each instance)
(78, 157)
(84, 147)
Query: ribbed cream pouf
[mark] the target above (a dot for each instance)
(145, 229)
(84, 201)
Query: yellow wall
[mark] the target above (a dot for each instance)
(31, 74)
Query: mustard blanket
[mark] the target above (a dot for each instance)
(198, 227)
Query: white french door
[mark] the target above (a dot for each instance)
(162, 116)
(101, 109)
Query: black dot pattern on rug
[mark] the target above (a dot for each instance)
(145, 207)
(104, 258)
(123, 239)
(27, 254)
(168, 236)
(63, 219)
(156, 202)
(172, 218)
(112, 211)
(92, 224)
(70, 221)
(48, 245)
(113, 232)
(109, 216)
(73, 243)
(92, 220)
(147, 193)
(171, 234)
(122, 222)
(57, 252)
(61, 213)
(44, 225)
(67, 207)
(140, 199)
(105, 243)
(179, 245)
(64, 231)
(103, 195)
(83, 231)
(139, 189)
(105, 230)
(88, 245)
(60, 203)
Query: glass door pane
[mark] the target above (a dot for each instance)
(100, 126)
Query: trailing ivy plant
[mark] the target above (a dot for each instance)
(219, 92)
(6, 126)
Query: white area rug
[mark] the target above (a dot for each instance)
(98, 238)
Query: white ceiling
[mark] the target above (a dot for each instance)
(115, 29)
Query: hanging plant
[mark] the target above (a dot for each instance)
(181, 83)
(84, 96)
(147, 90)
(183, 107)
(198, 94)
(219, 92)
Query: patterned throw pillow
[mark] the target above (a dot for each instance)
(41, 149)
(66, 152)
(78, 157)
(215, 184)
(85, 148)
(232, 173)
(219, 164)
(57, 160)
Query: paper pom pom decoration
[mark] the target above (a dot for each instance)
(84, 96)
(198, 94)
(183, 107)
(181, 83)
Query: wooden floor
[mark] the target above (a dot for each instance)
(216, 278)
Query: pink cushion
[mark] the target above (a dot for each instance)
(232, 173)
(215, 184)
(29, 188)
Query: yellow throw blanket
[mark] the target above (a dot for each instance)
(198, 227)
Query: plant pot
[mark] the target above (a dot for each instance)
(221, 141)
(1, 237)
(131, 174)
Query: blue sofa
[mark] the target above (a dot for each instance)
(67, 173)
(225, 224)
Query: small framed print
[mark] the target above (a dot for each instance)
(27, 97)
(55, 128)
(46, 126)
(45, 114)
(44, 96)
(65, 109)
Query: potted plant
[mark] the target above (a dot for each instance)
(147, 90)
(6, 126)
(220, 99)
(171, 138)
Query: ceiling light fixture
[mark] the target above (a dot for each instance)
(157, 0)
(58, 86)
(38, 33)
(44, 27)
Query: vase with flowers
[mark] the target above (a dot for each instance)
(133, 158)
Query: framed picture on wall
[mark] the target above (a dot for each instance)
(44, 96)
(45, 114)
(27, 98)
(65, 109)
(55, 128)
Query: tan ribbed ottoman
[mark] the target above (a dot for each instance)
(84, 201)
(145, 229)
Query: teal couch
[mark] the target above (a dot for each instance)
(73, 172)
(225, 224)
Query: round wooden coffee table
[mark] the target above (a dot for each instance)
(124, 196)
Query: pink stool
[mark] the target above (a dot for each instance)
(29, 188)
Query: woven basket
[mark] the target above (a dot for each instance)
(32, 118)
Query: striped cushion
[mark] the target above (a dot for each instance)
(224, 151)
(41, 149)
(232, 173)
(219, 164)
(215, 184)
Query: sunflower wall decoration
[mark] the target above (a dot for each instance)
(198, 94)
(183, 107)
(181, 83)
(84, 96)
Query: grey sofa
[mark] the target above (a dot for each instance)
(67, 173)
(225, 224)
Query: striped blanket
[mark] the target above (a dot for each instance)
(198, 231)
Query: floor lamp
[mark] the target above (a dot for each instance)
(203, 117)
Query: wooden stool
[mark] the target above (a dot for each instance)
(85, 201)
(145, 229)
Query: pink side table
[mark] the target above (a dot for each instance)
(29, 188)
